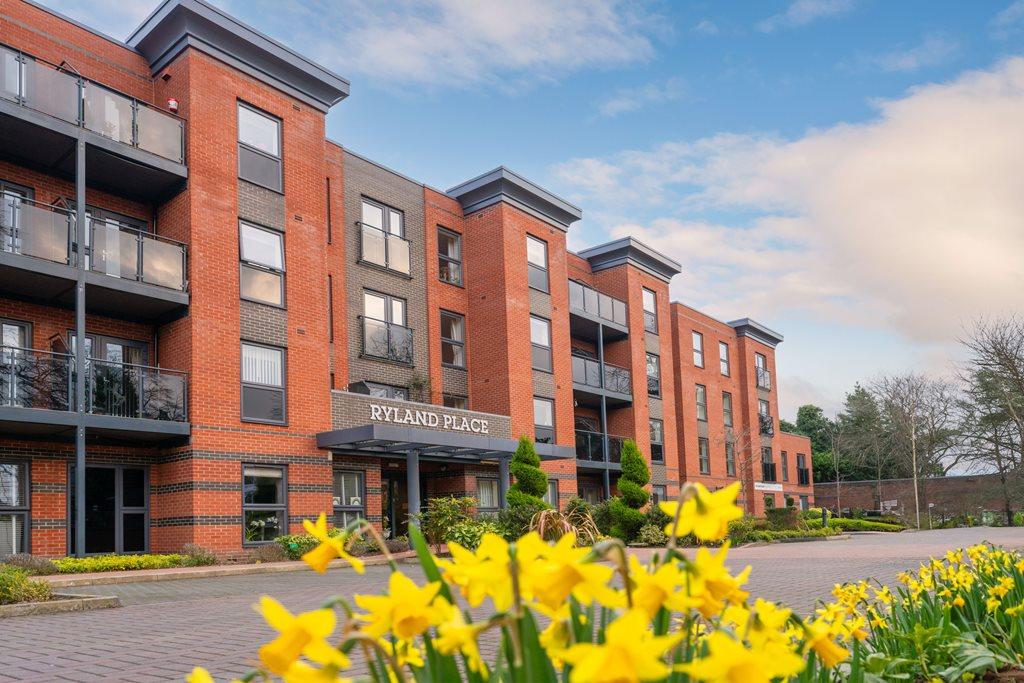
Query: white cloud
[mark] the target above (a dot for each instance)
(1009, 21)
(803, 12)
(935, 49)
(706, 27)
(910, 222)
(633, 99)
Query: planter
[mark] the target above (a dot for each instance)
(61, 602)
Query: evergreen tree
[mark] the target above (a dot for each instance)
(531, 482)
(625, 508)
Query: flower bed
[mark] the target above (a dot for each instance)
(682, 617)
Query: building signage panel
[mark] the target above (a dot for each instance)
(428, 418)
(767, 486)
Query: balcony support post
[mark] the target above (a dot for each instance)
(412, 480)
(503, 479)
(79, 361)
(605, 451)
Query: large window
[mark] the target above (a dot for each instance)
(488, 496)
(703, 455)
(540, 340)
(658, 494)
(537, 263)
(259, 148)
(263, 383)
(730, 458)
(384, 332)
(723, 358)
(261, 252)
(382, 237)
(543, 419)
(13, 508)
(727, 409)
(784, 464)
(349, 499)
(657, 440)
(551, 495)
(767, 464)
(264, 510)
(653, 375)
(698, 349)
(702, 403)
(650, 302)
(449, 256)
(453, 340)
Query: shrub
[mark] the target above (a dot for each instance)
(651, 535)
(656, 516)
(116, 563)
(531, 482)
(844, 524)
(297, 545)
(515, 521)
(39, 566)
(552, 525)
(17, 585)
(602, 514)
(1018, 518)
(268, 552)
(625, 508)
(197, 556)
(468, 533)
(782, 518)
(442, 514)
(399, 544)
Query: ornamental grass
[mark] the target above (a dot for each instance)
(562, 613)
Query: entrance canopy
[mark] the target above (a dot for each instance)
(384, 439)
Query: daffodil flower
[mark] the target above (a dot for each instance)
(705, 514)
(630, 652)
(329, 547)
(407, 610)
(730, 660)
(301, 634)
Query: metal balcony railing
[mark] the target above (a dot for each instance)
(764, 378)
(589, 446)
(766, 424)
(38, 85)
(48, 232)
(31, 378)
(383, 248)
(768, 471)
(803, 476)
(587, 371)
(589, 300)
(389, 341)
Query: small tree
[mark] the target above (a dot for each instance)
(625, 508)
(531, 482)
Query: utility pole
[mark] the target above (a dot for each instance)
(913, 460)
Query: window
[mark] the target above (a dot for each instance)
(702, 403)
(658, 494)
(730, 458)
(805, 503)
(767, 464)
(488, 497)
(764, 418)
(698, 349)
(259, 148)
(763, 408)
(14, 508)
(264, 515)
(764, 377)
(449, 256)
(378, 390)
(769, 501)
(784, 464)
(543, 419)
(540, 339)
(348, 497)
(803, 475)
(261, 252)
(703, 455)
(723, 358)
(650, 302)
(657, 440)
(551, 496)
(653, 375)
(727, 408)
(453, 335)
(537, 263)
(384, 332)
(382, 237)
(453, 401)
(263, 394)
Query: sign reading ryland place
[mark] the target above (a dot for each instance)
(427, 418)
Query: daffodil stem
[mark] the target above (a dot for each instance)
(368, 642)
(684, 495)
(514, 634)
(364, 527)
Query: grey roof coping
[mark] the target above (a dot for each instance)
(503, 184)
(177, 24)
(747, 327)
(631, 251)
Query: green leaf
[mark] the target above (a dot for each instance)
(430, 570)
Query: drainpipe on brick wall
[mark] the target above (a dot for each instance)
(79, 361)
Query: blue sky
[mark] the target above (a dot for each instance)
(845, 171)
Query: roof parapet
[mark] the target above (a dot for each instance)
(503, 184)
(631, 251)
(746, 327)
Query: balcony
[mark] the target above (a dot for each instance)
(591, 381)
(134, 148)
(766, 424)
(589, 447)
(803, 476)
(590, 310)
(387, 341)
(764, 379)
(123, 401)
(384, 249)
(768, 472)
(130, 273)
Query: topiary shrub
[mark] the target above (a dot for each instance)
(531, 482)
(515, 521)
(625, 508)
(602, 514)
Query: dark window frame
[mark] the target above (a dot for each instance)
(727, 409)
(488, 509)
(279, 158)
(360, 510)
(536, 346)
(650, 316)
(704, 455)
(657, 454)
(657, 489)
(730, 459)
(22, 511)
(547, 495)
(446, 396)
(253, 265)
(282, 507)
(699, 389)
(653, 381)
(544, 433)
(784, 465)
(283, 388)
(446, 260)
(698, 349)
(532, 267)
(388, 321)
(119, 508)
(455, 343)
(385, 228)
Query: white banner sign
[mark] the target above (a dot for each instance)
(427, 418)
(767, 486)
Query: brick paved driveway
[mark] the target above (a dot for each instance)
(167, 627)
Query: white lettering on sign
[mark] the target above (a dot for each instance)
(767, 486)
(428, 418)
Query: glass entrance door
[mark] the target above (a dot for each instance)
(395, 504)
(115, 509)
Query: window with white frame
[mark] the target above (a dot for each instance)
(551, 495)
(349, 497)
(488, 497)
(382, 237)
(727, 409)
(263, 383)
(261, 271)
(449, 256)
(453, 340)
(703, 455)
(653, 375)
(543, 419)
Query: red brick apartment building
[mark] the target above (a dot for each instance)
(273, 326)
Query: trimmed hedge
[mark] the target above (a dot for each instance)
(768, 535)
(117, 563)
(845, 524)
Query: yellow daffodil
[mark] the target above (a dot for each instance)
(712, 584)
(731, 661)
(406, 610)
(662, 587)
(556, 637)
(705, 514)
(455, 635)
(560, 571)
(820, 639)
(301, 634)
(329, 548)
(482, 573)
(630, 652)
(199, 675)
(404, 651)
(299, 672)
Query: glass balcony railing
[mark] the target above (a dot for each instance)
(43, 87)
(30, 378)
(383, 248)
(33, 229)
(587, 371)
(764, 378)
(589, 446)
(387, 340)
(589, 300)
